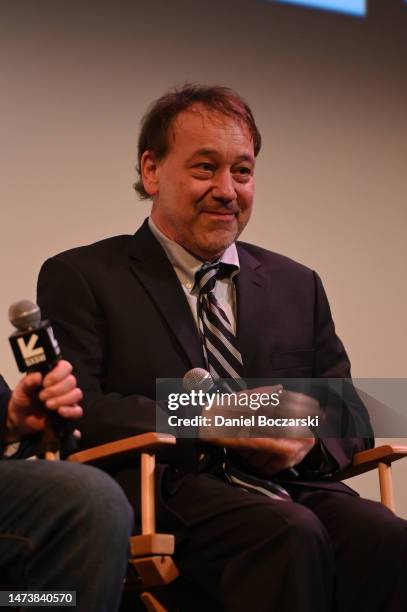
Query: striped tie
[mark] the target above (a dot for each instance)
(223, 358)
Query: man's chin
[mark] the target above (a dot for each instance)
(214, 248)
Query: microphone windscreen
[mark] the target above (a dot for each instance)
(24, 314)
(198, 379)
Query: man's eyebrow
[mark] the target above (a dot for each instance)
(202, 152)
(212, 152)
(246, 157)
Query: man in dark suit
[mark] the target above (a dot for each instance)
(58, 521)
(297, 540)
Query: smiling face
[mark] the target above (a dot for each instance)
(203, 188)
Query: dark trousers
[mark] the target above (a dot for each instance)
(326, 551)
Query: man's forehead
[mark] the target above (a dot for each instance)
(199, 124)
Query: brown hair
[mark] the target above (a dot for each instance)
(156, 123)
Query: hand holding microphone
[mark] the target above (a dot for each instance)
(267, 455)
(57, 391)
(37, 352)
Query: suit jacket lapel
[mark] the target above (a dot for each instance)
(150, 264)
(253, 306)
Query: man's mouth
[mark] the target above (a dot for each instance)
(224, 215)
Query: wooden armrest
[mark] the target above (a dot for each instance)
(143, 445)
(370, 459)
(123, 449)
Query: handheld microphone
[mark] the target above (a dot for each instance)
(199, 379)
(36, 349)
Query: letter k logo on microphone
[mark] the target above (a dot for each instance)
(28, 351)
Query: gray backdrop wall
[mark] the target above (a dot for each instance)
(330, 95)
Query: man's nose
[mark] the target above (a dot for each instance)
(224, 187)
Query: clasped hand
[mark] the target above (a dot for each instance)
(280, 448)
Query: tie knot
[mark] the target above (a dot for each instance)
(206, 277)
(208, 274)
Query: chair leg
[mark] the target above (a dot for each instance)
(386, 486)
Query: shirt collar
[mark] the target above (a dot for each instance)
(186, 264)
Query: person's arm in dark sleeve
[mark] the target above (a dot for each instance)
(5, 394)
(66, 298)
(25, 409)
(20, 449)
(344, 410)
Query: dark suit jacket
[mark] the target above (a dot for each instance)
(121, 317)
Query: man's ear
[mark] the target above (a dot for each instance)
(149, 170)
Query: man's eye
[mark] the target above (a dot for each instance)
(205, 166)
(203, 170)
(242, 173)
(243, 170)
